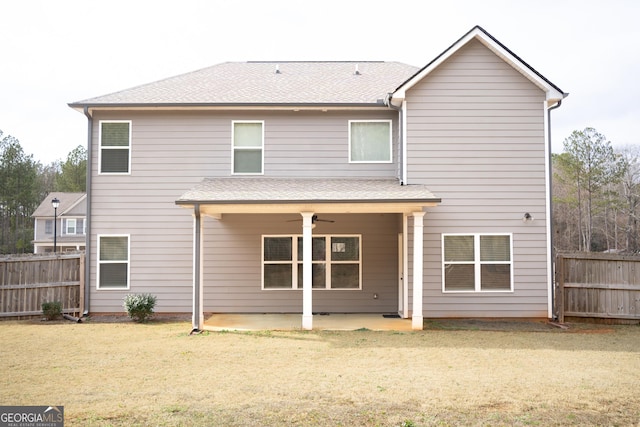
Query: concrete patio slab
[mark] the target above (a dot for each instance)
(328, 322)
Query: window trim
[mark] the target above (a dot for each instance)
(295, 286)
(390, 141)
(477, 263)
(234, 148)
(75, 226)
(100, 147)
(99, 262)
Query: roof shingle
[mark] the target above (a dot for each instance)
(289, 190)
(251, 83)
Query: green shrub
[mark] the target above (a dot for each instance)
(139, 306)
(52, 310)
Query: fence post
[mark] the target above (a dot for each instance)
(560, 287)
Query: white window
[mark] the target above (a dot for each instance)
(115, 147)
(336, 262)
(477, 263)
(71, 226)
(248, 144)
(113, 262)
(370, 141)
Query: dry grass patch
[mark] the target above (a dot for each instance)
(157, 374)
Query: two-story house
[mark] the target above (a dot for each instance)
(337, 187)
(67, 223)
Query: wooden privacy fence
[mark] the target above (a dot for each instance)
(27, 282)
(598, 286)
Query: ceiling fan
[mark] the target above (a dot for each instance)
(314, 219)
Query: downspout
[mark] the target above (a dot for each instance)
(401, 145)
(87, 236)
(550, 201)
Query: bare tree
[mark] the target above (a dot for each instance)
(590, 162)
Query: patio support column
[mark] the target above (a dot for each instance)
(197, 316)
(418, 244)
(307, 293)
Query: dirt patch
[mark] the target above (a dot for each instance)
(514, 325)
(506, 325)
(123, 318)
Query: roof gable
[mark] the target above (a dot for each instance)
(553, 93)
(68, 201)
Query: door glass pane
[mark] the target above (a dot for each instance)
(458, 248)
(495, 248)
(277, 249)
(495, 277)
(345, 276)
(459, 277)
(277, 276)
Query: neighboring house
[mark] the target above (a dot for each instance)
(339, 187)
(69, 226)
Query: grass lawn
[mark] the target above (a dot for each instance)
(125, 374)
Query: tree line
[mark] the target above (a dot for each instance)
(596, 193)
(24, 183)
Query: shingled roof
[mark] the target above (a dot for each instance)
(268, 83)
(294, 190)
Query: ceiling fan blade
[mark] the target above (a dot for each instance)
(314, 219)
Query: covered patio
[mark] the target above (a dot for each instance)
(291, 321)
(217, 197)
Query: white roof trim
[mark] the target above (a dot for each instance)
(553, 94)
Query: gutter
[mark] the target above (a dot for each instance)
(228, 105)
(550, 201)
(87, 265)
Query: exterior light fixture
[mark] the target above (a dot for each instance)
(55, 203)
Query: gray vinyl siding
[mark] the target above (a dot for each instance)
(41, 226)
(476, 137)
(232, 272)
(173, 151)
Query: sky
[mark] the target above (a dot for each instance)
(56, 52)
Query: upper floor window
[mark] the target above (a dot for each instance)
(71, 226)
(248, 147)
(48, 226)
(74, 226)
(115, 146)
(370, 141)
(477, 262)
